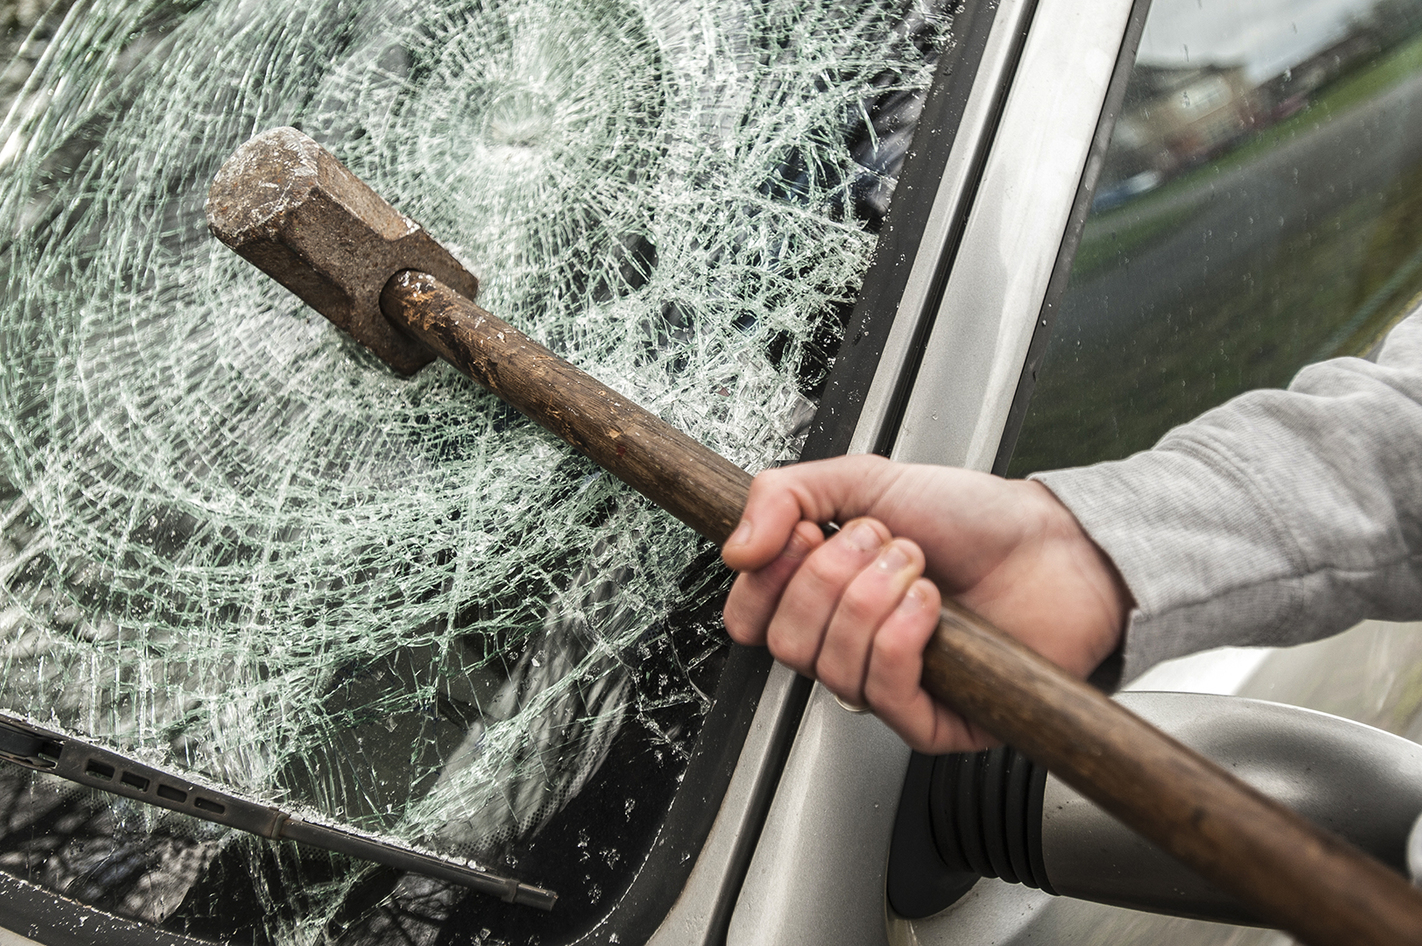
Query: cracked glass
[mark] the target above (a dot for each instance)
(236, 545)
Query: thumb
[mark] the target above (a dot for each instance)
(820, 491)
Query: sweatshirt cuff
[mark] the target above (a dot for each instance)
(1202, 558)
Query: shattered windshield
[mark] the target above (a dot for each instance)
(236, 545)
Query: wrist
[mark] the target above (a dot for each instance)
(1088, 562)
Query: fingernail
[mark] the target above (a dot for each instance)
(742, 534)
(862, 537)
(913, 600)
(892, 559)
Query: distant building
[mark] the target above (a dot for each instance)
(1180, 118)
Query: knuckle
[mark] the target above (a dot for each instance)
(766, 481)
(891, 650)
(797, 651)
(882, 699)
(863, 603)
(825, 569)
(771, 474)
(740, 630)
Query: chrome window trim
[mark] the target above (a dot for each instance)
(992, 301)
(955, 191)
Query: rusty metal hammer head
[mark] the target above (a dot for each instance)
(287, 205)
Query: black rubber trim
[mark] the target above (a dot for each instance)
(1036, 795)
(16, 743)
(983, 812)
(942, 787)
(919, 883)
(967, 814)
(1019, 775)
(994, 814)
(1076, 222)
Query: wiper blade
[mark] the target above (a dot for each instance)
(78, 760)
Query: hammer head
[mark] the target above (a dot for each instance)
(286, 204)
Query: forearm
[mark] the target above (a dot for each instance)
(1280, 517)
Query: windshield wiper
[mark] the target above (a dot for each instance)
(78, 760)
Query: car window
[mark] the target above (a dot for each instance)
(236, 545)
(1259, 208)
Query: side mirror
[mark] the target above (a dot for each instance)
(997, 814)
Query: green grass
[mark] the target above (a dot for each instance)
(1132, 226)
(1332, 289)
(1250, 324)
(1110, 236)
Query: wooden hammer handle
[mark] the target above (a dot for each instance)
(1293, 874)
(699, 486)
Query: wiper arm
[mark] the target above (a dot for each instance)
(76, 759)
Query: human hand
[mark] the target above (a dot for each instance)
(856, 610)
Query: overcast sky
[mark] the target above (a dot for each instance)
(1265, 36)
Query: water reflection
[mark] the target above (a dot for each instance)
(1260, 207)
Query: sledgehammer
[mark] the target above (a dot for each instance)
(287, 205)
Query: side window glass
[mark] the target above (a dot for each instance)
(1260, 208)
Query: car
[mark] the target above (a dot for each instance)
(240, 552)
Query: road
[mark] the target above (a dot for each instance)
(1240, 212)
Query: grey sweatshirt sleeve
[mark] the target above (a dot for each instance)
(1277, 518)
